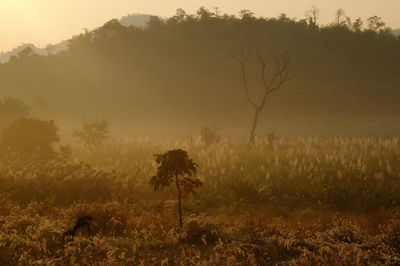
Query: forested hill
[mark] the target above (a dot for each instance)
(182, 68)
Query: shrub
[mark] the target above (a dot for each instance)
(93, 133)
(209, 136)
(59, 181)
(199, 233)
(29, 136)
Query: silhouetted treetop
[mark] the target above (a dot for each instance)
(175, 66)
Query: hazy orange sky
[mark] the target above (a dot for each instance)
(49, 21)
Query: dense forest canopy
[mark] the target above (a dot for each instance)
(180, 70)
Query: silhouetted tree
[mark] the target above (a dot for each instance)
(203, 13)
(312, 15)
(108, 29)
(246, 14)
(27, 52)
(209, 136)
(30, 137)
(340, 16)
(376, 24)
(175, 165)
(279, 77)
(155, 22)
(24, 55)
(180, 15)
(357, 25)
(93, 133)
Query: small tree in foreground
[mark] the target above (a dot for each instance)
(176, 165)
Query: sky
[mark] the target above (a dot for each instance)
(43, 22)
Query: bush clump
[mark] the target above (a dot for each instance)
(196, 232)
(28, 136)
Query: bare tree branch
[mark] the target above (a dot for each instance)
(243, 60)
(278, 79)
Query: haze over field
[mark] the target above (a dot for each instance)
(179, 73)
(257, 134)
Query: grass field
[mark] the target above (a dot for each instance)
(287, 201)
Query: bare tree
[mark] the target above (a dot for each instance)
(279, 77)
(312, 15)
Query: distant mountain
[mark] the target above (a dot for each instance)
(138, 20)
(4, 57)
(52, 49)
(59, 47)
(396, 32)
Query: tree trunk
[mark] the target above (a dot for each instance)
(179, 200)
(253, 128)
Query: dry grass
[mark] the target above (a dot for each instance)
(300, 201)
(127, 234)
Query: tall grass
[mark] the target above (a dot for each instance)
(273, 204)
(331, 172)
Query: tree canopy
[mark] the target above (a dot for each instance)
(174, 67)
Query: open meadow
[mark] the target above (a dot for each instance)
(285, 201)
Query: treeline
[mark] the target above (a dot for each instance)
(182, 69)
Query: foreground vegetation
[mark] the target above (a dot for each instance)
(131, 235)
(289, 201)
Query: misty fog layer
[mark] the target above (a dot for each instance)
(178, 74)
